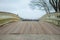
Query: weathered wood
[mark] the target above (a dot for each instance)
(29, 27)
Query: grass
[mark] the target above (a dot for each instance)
(4, 21)
(7, 18)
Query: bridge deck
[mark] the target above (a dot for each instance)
(30, 27)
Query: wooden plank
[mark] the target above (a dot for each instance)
(29, 27)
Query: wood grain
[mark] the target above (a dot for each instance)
(29, 27)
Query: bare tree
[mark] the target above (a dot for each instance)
(55, 4)
(40, 4)
(46, 8)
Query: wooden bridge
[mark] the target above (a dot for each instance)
(29, 27)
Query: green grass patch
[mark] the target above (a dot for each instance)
(5, 21)
(6, 17)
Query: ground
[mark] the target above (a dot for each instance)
(29, 27)
(29, 30)
(29, 37)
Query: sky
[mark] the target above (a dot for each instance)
(21, 8)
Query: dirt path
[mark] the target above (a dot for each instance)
(30, 27)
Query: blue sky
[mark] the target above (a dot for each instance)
(21, 7)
